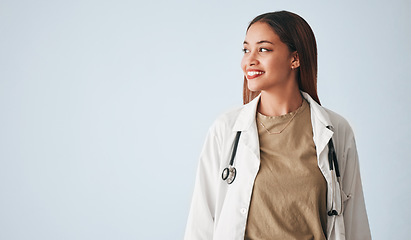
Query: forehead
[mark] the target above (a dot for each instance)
(261, 31)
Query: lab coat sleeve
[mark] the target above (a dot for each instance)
(355, 214)
(200, 224)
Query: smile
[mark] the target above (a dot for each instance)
(254, 74)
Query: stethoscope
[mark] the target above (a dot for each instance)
(229, 173)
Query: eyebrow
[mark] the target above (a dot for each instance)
(260, 42)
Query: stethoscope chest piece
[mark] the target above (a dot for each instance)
(229, 174)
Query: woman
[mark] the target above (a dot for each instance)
(295, 172)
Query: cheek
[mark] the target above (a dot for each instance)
(243, 65)
(278, 64)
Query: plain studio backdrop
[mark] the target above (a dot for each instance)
(104, 107)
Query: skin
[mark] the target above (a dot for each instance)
(265, 53)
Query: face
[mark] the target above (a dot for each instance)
(267, 62)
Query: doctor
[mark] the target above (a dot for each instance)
(283, 183)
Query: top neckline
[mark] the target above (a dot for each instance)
(284, 116)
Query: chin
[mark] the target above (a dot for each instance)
(254, 87)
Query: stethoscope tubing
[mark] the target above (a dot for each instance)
(237, 139)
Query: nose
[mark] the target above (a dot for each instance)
(251, 59)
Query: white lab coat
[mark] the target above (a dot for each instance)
(219, 211)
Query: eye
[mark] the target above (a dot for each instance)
(264, 50)
(245, 50)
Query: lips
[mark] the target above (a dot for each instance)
(254, 73)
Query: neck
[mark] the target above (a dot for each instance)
(279, 101)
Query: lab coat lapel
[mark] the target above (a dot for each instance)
(322, 133)
(246, 123)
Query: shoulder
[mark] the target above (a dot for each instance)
(340, 124)
(343, 137)
(226, 120)
(344, 143)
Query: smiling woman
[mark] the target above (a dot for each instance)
(265, 68)
(281, 166)
(269, 64)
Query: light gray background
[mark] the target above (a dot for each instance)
(105, 105)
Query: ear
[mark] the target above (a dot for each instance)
(295, 60)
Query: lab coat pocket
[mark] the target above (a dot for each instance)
(341, 199)
(345, 197)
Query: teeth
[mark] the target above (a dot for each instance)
(254, 73)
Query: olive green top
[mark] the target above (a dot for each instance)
(289, 193)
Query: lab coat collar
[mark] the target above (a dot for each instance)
(249, 110)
